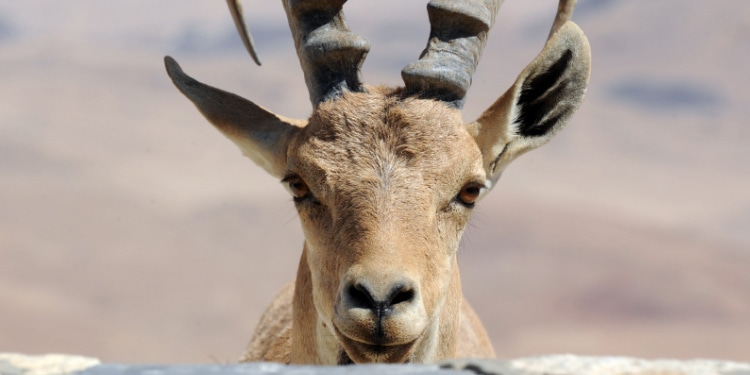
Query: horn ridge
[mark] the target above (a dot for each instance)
(330, 54)
(458, 33)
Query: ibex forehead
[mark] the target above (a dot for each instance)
(372, 134)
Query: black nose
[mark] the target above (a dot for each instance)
(361, 295)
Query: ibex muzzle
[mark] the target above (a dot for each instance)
(385, 179)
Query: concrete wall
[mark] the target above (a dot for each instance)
(19, 364)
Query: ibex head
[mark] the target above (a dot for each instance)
(385, 179)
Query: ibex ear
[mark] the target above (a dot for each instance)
(260, 134)
(538, 104)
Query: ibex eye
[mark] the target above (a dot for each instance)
(297, 187)
(469, 194)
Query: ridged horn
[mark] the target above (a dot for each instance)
(330, 54)
(458, 32)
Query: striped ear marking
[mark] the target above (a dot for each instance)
(541, 104)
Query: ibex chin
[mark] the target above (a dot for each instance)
(385, 179)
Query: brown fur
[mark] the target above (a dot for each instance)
(378, 178)
(373, 166)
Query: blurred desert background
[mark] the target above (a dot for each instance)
(132, 231)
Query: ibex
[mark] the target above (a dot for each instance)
(385, 179)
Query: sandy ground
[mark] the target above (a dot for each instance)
(132, 231)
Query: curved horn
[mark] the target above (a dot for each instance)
(330, 54)
(242, 29)
(564, 13)
(457, 36)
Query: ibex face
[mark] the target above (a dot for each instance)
(384, 180)
(384, 187)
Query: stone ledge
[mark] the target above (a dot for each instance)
(20, 364)
(55, 364)
(579, 365)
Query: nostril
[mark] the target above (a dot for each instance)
(400, 294)
(359, 296)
